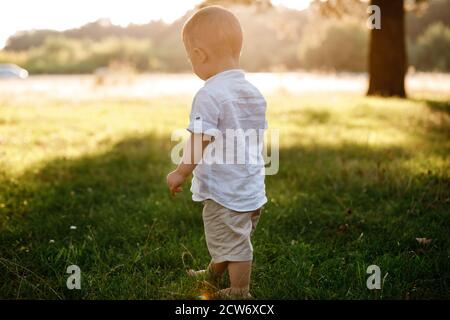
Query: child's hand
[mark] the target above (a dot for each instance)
(174, 182)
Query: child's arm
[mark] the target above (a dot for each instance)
(192, 154)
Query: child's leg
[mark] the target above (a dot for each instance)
(218, 268)
(227, 234)
(240, 272)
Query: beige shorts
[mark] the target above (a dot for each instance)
(228, 232)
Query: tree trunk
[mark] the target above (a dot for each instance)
(387, 51)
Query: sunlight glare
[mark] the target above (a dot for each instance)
(19, 15)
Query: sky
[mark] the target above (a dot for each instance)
(18, 15)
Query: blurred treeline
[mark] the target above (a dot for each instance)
(276, 39)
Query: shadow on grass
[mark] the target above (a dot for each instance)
(130, 236)
(119, 204)
(439, 123)
(441, 106)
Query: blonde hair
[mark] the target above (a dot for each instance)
(215, 27)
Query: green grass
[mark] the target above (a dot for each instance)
(360, 179)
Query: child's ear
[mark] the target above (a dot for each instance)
(201, 54)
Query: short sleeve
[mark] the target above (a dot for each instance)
(204, 115)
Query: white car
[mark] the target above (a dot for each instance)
(12, 71)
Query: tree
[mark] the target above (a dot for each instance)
(325, 50)
(432, 50)
(387, 60)
(387, 51)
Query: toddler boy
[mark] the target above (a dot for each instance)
(232, 186)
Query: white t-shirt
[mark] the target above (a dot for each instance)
(233, 174)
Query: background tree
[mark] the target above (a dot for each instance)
(387, 51)
(387, 60)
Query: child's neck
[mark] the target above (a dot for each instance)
(224, 65)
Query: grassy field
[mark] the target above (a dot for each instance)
(360, 179)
